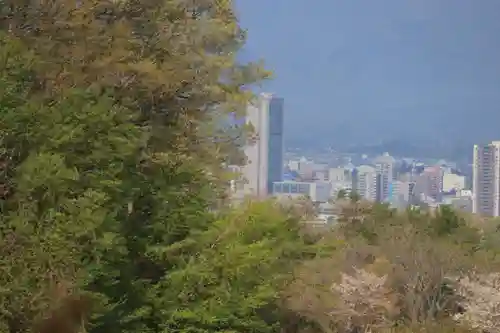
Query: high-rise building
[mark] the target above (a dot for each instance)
(486, 179)
(338, 174)
(433, 179)
(365, 182)
(306, 169)
(385, 173)
(265, 151)
(401, 191)
(341, 179)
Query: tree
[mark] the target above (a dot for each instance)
(61, 163)
(174, 61)
(446, 221)
(392, 271)
(354, 196)
(119, 134)
(231, 275)
(341, 194)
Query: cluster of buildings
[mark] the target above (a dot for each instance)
(399, 182)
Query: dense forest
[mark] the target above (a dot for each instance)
(113, 195)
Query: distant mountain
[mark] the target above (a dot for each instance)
(446, 150)
(403, 148)
(398, 148)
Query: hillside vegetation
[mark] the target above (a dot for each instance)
(412, 271)
(114, 214)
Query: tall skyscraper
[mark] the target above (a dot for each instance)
(385, 173)
(265, 152)
(486, 179)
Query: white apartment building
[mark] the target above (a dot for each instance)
(402, 191)
(294, 165)
(365, 182)
(337, 175)
(486, 179)
(432, 176)
(306, 168)
(265, 151)
(452, 182)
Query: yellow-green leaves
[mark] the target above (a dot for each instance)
(233, 270)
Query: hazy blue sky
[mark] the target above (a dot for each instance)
(359, 70)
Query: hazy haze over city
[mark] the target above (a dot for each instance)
(358, 71)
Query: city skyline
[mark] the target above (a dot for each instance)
(399, 182)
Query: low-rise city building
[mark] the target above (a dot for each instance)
(453, 182)
(315, 191)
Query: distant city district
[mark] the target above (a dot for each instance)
(401, 182)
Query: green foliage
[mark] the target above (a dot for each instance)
(63, 163)
(231, 271)
(354, 196)
(112, 162)
(421, 253)
(112, 159)
(341, 194)
(446, 222)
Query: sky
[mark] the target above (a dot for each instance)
(361, 71)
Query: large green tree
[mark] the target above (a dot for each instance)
(229, 277)
(112, 162)
(62, 171)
